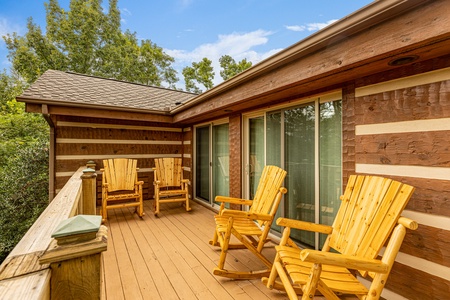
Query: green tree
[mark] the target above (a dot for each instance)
(199, 73)
(89, 41)
(230, 68)
(23, 165)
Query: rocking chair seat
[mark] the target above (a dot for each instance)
(339, 279)
(241, 225)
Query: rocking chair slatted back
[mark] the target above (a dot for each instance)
(120, 173)
(269, 185)
(370, 209)
(168, 171)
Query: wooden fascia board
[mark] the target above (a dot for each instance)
(54, 102)
(99, 113)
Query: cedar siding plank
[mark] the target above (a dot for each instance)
(422, 102)
(430, 243)
(115, 149)
(417, 285)
(418, 148)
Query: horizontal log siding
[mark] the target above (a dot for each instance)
(82, 139)
(414, 284)
(426, 242)
(407, 146)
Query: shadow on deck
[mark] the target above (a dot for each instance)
(168, 257)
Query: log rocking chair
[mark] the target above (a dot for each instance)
(250, 227)
(369, 214)
(120, 186)
(169, 183)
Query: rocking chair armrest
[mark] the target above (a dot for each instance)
(246, 215)
(139, 183)
(156, 182)
(303, 225)
(185, 180)
(346, 261)
(233, 200)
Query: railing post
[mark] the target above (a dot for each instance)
(89, 190)
(75, 258)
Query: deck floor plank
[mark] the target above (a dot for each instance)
(113, 286)
(181, 257)
(145, 240)
(169, 257)
(127, 274)
(196, 258)
(136, 246)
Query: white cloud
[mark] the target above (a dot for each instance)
(5, 28)
(237, 45)
(125, 11)
(296, 27)
(309, 26)
(318, 26)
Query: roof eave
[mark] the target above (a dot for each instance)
(361, 19)
(49, 102)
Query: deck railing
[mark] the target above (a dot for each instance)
(22, 276)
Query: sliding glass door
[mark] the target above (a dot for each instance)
(211, 161)
(305, 140)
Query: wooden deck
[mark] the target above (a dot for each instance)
(168, 257)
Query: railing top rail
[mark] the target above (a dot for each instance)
(60, 208)
(23, 259)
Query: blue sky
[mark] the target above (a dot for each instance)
(189, 30)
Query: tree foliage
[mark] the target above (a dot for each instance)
(23, 192)
(230, 68)
(23, 165)
(202, 73)
(88, 41)
(199, 73)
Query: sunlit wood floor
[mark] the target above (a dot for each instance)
(168, 257)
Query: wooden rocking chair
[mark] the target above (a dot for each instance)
(169, 183)
(120, 186)
(370, 209)
(251, 227)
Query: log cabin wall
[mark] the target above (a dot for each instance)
(79, 140)
(187, 157)
(400, 129)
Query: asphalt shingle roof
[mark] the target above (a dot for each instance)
(72, 88)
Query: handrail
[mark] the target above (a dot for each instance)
(21, 275)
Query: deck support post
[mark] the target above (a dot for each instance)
(75, 259)
(89, 190)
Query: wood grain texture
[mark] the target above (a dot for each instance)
(416, 285)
